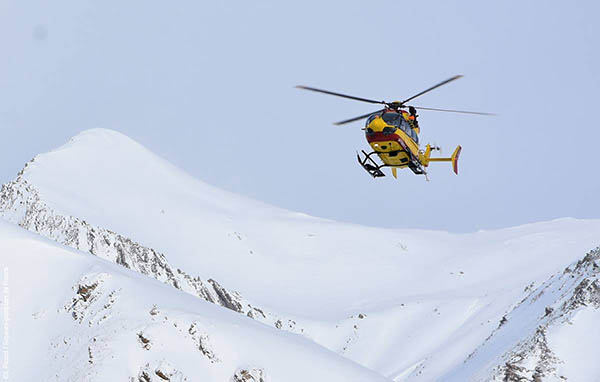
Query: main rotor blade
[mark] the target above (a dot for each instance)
(452, 111)
(357, 118)
(340, 94)
(433, 87)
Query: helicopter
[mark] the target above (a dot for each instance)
(393, 134)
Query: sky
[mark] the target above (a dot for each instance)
(210, 87)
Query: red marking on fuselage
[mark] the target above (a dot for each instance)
(381, 137)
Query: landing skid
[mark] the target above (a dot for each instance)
(374, 169)
(417, 168)
(370, 165)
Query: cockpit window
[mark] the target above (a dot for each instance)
(371, 118)
(407, 128)
(391, 118)
(414, 135)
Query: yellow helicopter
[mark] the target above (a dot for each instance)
(393, 134)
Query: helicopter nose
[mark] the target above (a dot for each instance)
(378, 124)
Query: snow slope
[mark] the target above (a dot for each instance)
(410, 304)
(551, 335)
(75, 317)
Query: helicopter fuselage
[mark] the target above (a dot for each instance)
(394, 137)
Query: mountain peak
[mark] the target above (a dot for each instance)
(93, 146)
(101, 170)
(99, 136)
(100, 162)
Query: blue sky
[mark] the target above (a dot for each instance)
(210, 87)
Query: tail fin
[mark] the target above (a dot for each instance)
(454, 158)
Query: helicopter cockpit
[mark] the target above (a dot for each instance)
(396, 120)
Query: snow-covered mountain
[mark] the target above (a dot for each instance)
(75, 317)
(407, 304)
(551, 335)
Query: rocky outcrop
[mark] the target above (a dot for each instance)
(202, 341)
(249, 374)
(535, 351)
(161, 372)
